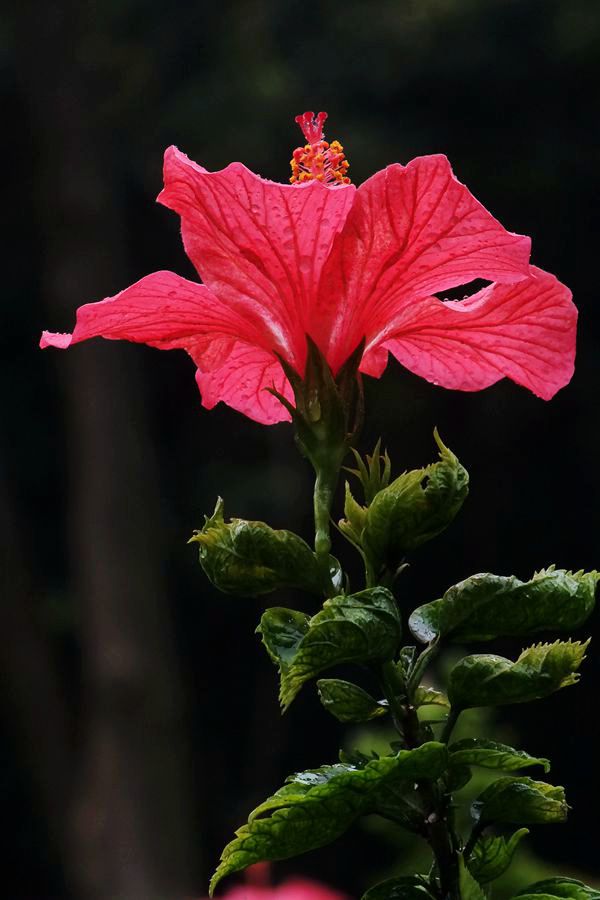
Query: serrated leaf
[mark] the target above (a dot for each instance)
(403, 887)
(249, 558)
(565, 888)
(427, 696)
(489, 680)
(487, 606)
(348, 702)
(352, 628)
(468, 887)
(492, 755)
(414, 508)
(314, 808)
(492, 855)
(520, 801)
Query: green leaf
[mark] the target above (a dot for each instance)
(250, 558)
(427, 696)
(567, 888)
(468, 887)
(314, 808)
(486, 606)
(414, 508)
(403, 887)
(348, 702)
(491, 755)
(353, 628)
(488, 680)
(492, 855)
(282, 630)
(520, 801)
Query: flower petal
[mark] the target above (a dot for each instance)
(524, 331)
(259, 245)
(164, 311)
(413, 230)
(241, 383)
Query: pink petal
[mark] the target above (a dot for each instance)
(292, 889)
(164, 311)
(259, 245)
(412, 231)
(241, 383)
(524, 331)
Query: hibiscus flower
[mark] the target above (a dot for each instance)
(343, 265)
(293, 889)
(257, 887)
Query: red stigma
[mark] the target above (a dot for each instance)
(312, 126)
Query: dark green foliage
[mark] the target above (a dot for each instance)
(520, 801)
(488, 680)
(492, 855)
(348, 702)
(314, 808)
(250, 558)
(414, 508)
(491, 755)
(363, 627)
(415, 786)
(469, 887)
(565, 888)
(486, 606)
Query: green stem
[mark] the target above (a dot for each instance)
(473, 838)
(325, 483)
(449, 725)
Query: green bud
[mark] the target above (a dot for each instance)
(250, 558)
(401, 516)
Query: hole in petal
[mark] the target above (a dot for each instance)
(463, 291)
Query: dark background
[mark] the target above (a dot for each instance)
(140, 720)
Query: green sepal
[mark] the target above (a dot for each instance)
(402, 887)
(329, 410)
(540, 670)
(492, 755)
(249, 558)
(520, 801)
(351, 628)
(487, 606)
(413, 509)
(492, 855)
(314, 808)
(468, 886)
(564, 888)
(348, 702)
(372, 475)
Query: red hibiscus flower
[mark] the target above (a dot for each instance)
(257, 887)
(322, 258)
(293, 889)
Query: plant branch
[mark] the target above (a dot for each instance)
(438, 829)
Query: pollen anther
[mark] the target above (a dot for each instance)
(318, 160)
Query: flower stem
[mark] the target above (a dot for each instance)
(325, 484)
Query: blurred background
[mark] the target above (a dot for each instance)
(140, 721)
